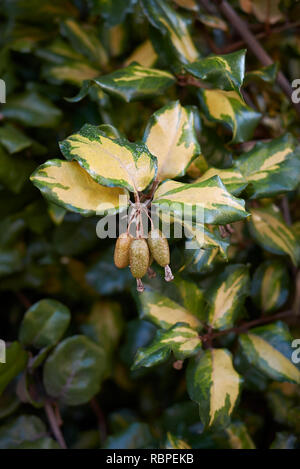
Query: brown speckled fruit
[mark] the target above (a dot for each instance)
(139, 257)
(121, 254)
(159, 247)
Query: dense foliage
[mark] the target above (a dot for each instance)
(160, 102)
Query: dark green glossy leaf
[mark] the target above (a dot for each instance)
(73, 371)
(44, 323)
(21, 430)
(136, 436)
(16, 359)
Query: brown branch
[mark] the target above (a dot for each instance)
(101, 419)
(242, 28)
(54, 424)
(207, 338)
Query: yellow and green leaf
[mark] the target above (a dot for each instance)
(180, 339)
(232, 178)
(66, 184)
(270, 168)
(268, 348)
(205, 202)
(265, 74)
(170, 135)
(270, 286)
(144, 55)
(221, 71)
(164, 312)
(173, 442)
(214, 384)
(111, 161)
(235, 436)
(228, 108)
(272, 233)
(227, 295)
(173, 28)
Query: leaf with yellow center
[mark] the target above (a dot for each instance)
(232, 178)
(272, 233)
(205, 202)
(214, 384)
(170, 136)
(66, 184)
(111, 162)
(268, 348)
(230, 109)
(227, 295)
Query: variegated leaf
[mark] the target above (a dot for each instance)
(270, 286)
(272, 233)
(230, 109)
(214, 384)
(235, 436)
(66, 184)
(227, 295)
(214, 22)
(144, 55)
(170, 135)
(84, 40)
(164, 312)
(132, 83)
(199, 261)
(74, 72)
(173, 442)
(208, 200)
(173, 28)
(179, 339)
(221, 71)
(111, 162)
(268, 348)
(232, 178)
(265, 74)
(271, 168)
(188, 4)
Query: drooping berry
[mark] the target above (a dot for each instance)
(159, 248)
(139, 257)
(121, 254)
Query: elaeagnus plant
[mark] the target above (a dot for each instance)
(172, 126)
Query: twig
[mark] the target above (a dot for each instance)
(101, 419)
(207, 338)
(52, 418)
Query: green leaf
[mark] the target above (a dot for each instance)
(228, 108)
(199, 260)
(44, 323)
(173, 442)
(84, 39)
(208, 199)
(113, 11)
(144, 55)
(179, 339)
(265, 74)
(111, 162)
(74, 370)
(213, 22)
(270, 286)
(235, 436)
(164, 312)
(268, 348)
(221, 71)
(32, 109)
(227, 295)
(272, 233)
(14, 171)
(71, 71)
(214, 384)
(25, 428)
(174, 30)
(232, 179)
(135, 436)
(104, 325)
(13, 139)
(170, 135)
(132, 83)
(16, 360)
(270, 168)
